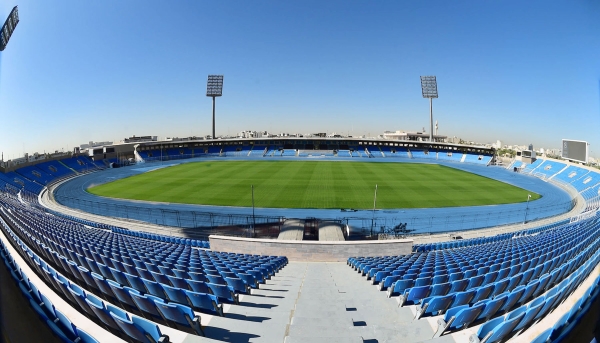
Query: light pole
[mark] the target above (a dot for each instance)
(527, 208)
(429, 90)
(253, 217)
(9, 27)
(374, 204)
(214, 88)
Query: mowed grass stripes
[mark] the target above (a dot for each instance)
(314, 184)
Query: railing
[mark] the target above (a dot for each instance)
(360, 223)
(363, 225)
(167, 217)
(444, 224)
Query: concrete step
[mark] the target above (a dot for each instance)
(321, 339)
(312, 321)
(324, 330)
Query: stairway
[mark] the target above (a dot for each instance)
(336, 305)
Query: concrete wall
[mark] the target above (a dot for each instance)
(311, 251)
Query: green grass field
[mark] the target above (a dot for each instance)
(314, 184)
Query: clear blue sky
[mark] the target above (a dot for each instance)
(519, 71)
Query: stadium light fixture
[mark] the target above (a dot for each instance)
(429, 89)
(374, 205)
(9, 27)
(527, 209)
(253, 217)
(214, 88)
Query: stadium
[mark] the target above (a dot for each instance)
(299, 239)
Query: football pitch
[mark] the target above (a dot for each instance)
(314, 184)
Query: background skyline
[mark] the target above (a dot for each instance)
(518, 72)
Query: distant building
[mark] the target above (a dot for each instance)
(94, 144)
(252, 134)
(412, 136)
(454, 140)
(140, 139)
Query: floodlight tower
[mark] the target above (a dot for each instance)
(214, 88)
(429, 89)
(9, 27)
(5, 32)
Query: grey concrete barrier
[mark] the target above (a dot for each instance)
(311, 251)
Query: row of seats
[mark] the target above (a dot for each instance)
(524, 316)
(481, 240)
(565, 326)
(168, 280)
(504, 274)
(163, 238)
(82, 164)
(178, 275)
(108, 316)
(54, 318)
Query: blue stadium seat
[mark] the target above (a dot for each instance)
(85, 337)
(48, 307)
(146, 304)
(205, 302)
(482, 293)
(224, 293)
(492, 307)
(414, 295)
(137, 332)
(79, 295)
(197, 286)
(434, 305)
(496, 329)
(399, 287)
(238, 285)
(57, 331)
(65, 325)
(122, 294)
(181, 315)
(101, 312)
(154, 288)
(532, 310)
(457, 318)
(175, 294)
(463, 298)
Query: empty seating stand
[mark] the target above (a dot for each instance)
(170, 279)
(506, 282)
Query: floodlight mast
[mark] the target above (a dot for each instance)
(214, 88)
(429, 90)
(9, 27)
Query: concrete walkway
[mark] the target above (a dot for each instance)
(336, 305)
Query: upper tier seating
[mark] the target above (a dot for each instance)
(55, 168)
(586, 181)
(34, 174)
(549, 168)
(530, 167)
(479, 159)
(418, 153)
(390, 151)
(80, 164)
(570, 174)
(450, 155)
